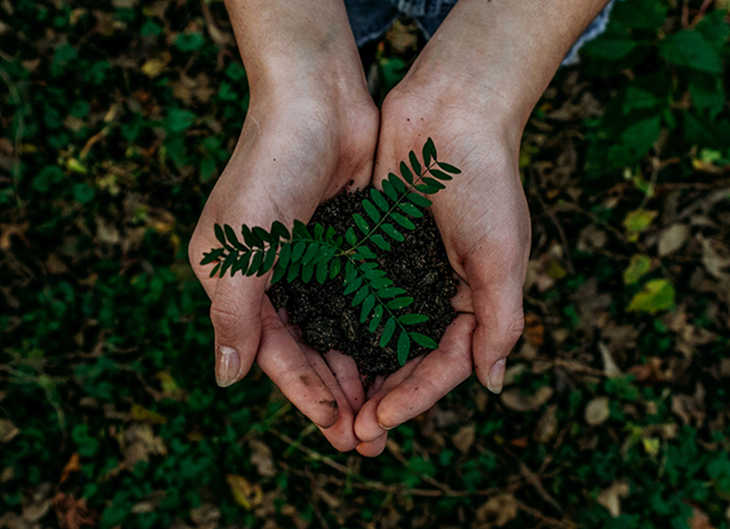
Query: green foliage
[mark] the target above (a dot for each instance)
(319, 255)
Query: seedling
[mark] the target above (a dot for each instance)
(324, 254)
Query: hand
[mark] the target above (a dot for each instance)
(294, 152)
(484, 222)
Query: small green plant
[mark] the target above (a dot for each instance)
(324, 254)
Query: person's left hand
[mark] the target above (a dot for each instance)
(484, 222)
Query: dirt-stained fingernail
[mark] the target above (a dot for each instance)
(227, 365)
(496, 376)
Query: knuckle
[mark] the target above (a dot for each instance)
(515, 326)
(224, 315)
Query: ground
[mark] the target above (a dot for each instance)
(117, 116)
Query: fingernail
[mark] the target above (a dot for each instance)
(226, 366)
(386, 428)
(496, 376)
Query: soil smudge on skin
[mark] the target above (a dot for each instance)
(325, 316)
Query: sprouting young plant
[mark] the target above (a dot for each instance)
(321, 254)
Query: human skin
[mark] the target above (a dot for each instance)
(472, 90)
(312, 127)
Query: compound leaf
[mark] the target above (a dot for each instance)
(433, 183)
(249, 238)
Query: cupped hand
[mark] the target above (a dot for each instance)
(294, 152)
(484, 222)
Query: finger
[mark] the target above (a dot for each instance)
(281, 358)
(367, 428)
(440, 372)
(236, 317)
(348, 378)
(341, 434)
(373, 448)
(496, 286)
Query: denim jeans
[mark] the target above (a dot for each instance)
(370, 18)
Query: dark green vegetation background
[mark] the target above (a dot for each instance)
(116, 119)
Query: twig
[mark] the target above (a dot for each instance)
(559, 227)
(367, 484)
(394, 449)
(546, 520)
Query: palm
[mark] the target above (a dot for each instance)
(288, 160)
(484, 222)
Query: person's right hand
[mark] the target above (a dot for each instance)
(294, 153)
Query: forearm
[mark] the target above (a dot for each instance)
(295, 42)
(502, 52)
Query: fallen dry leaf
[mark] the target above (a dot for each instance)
(499, 510)
(547, 426)
(672, 239)
(261, 458)
(464, 438)
(73, 465)
(8, 431)
(8, 230)
(610, 498)
(72, 513)
(245, 493)
(514, 399)
(597, 411)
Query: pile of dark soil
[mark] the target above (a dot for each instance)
(328, 321)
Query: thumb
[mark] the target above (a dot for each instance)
(496, 286)
(236, 316)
